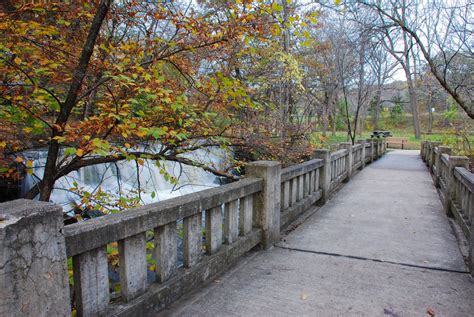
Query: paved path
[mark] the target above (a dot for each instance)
(381, 247)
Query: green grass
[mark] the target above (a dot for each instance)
(445, 138)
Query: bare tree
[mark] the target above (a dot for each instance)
(449, 35)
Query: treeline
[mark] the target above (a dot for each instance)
(97, 82)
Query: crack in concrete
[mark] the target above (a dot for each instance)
(354, 257)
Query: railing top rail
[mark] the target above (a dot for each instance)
(339, 154)
(300, 169)
(97, 232)
(465, 177)
(356, 147)
(445, 158)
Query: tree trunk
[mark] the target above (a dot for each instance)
(378, 99)
(414, 106)
(411, 84)
(430, 114)
(50, 169)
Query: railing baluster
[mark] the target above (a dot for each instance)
(91, 282)
(192, 239)
(166, 251)
(132, 259)
(470, 208)
(312, 175)
(213, 230)
(307, 189)
(300, 187)
(316, 180)
(294, 191)
(246, 213)
(231, 221)
(286, 195)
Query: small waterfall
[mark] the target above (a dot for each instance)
(120, 178)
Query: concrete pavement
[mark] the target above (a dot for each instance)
(382, 246)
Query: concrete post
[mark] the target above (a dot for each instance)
(454, 161)
(363, 153)
(371, 141)
(267, 205)
(471, 238)
(33, 263)
(428, 153)
(431, 158)
(437, 162)
(422, 149)
(324, 173)
(348, 147)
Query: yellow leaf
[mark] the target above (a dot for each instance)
(127, 145)
(80, 152)
(17, 60)
(29, 163)
(18, 159)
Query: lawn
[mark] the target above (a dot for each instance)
(413, 143)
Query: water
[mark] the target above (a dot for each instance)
(120, 179)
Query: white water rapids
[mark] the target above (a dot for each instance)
(120, 179)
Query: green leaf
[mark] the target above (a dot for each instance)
(277, 7)
(69, 151)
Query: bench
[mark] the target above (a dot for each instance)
(378, 134)
(392, 140)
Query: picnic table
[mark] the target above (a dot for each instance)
(379, 133)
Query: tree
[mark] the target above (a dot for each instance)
(102, 87)
(444, 28)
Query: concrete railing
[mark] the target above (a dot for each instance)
(314, 181)
(300, 188)
(191, 238)
(456, 188)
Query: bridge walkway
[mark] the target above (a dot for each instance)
(381, 246)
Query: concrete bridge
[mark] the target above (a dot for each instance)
(350, 232)
(381, 246)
